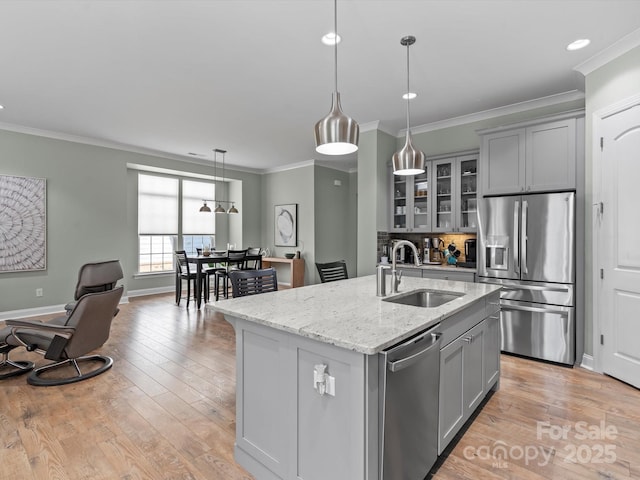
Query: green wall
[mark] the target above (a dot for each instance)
(91, 214)
(286, 187)
(611, 83)
(335, 228)
(374, 156)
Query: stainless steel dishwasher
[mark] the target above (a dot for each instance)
(410, 379)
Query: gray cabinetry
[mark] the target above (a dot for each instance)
(442, 199)
(411, 272)
(459, 275)
(285, 429)
(532, 158)
(454, 206)
(469, 368)
(452, 274)
(411, 202)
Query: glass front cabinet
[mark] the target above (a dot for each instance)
(442, 199)
(411, 205)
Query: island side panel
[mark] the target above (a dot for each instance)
(330, 441)
(285, 428)
(261, 407)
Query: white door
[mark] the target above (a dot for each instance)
(619, 255)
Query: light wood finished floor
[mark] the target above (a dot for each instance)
(166, 410)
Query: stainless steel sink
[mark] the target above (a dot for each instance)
(424, 298)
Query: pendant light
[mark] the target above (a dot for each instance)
(408, 160)
(336, 134)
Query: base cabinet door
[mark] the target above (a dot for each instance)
(492, 350)
(472, 375)
(465, 367)
(451, 403)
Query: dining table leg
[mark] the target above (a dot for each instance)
(199, 285)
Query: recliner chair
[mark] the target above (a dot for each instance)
(96, 277)
(92, 277)
(69, 338)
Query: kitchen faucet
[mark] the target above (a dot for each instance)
(396, 276)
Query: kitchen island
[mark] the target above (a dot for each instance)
(294, 421)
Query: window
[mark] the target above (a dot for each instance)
(168, 210)
(198, 229)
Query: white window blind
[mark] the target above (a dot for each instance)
(157, 205)
(195, 222)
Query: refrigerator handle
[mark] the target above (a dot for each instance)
(516, 240)
(525, 209)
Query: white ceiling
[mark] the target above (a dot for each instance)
(252, 77)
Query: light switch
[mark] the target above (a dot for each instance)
(331, 385)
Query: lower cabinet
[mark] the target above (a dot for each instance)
(459, 275)
(469, 368)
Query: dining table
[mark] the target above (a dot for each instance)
(213, 260)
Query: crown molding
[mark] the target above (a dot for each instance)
(619, 48)
(497, 112)
(376, 125)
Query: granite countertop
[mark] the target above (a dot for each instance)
(348, 313)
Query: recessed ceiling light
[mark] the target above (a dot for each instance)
(409, 96)
(578, 44)
(1, 107)
(193, 154)
(330, 38)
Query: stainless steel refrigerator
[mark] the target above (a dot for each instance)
(527, 245)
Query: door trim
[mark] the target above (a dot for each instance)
(598, 118)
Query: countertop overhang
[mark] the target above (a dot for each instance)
(348, 314)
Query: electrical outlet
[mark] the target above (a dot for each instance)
(39, 292)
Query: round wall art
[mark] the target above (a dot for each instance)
(23, 224)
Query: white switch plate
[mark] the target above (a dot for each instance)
(331, 385)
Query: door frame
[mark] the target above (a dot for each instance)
(598, 118)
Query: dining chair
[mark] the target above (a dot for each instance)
(183, 272)
(254, 259)
(235, 261)
(253, 282)
(332, 271)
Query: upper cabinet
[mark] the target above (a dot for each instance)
(442, 199)
(411, 204)
(456, 192)
(532, 158)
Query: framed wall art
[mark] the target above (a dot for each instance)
(23, 224)
(286, 225)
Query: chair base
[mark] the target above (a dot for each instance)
(19, 368)
(35, 379)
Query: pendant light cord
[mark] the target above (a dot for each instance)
(408, 99)
(335, 42)
(215, 177)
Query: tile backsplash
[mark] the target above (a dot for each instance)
(385, 238)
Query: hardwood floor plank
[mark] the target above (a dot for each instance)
(166, 410)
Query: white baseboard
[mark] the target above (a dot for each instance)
(38, 311)
(587, 362)
(151, 291)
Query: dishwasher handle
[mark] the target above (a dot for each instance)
(397, 365)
